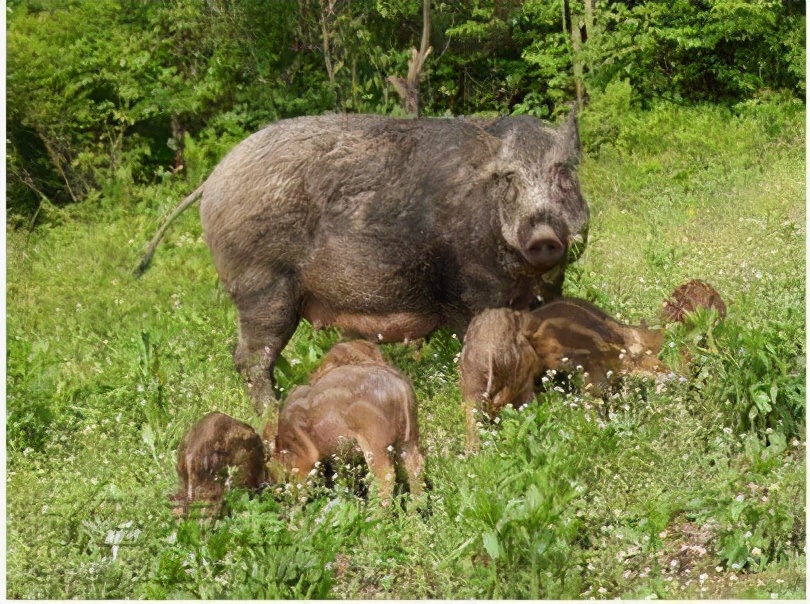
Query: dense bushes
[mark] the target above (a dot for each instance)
(101, 95)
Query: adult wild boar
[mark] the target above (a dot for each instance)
(387, 228)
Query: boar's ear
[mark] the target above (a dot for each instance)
(568, 149)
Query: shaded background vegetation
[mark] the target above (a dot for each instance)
(103, 95)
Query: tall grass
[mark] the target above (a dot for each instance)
(690, 488)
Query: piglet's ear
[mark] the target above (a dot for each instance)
(528, 324)
(567, 149)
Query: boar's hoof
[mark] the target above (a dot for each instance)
(260, 390)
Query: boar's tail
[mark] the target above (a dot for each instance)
(150, 251)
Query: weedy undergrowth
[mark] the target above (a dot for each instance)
(691, 486)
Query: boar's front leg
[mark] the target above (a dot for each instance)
(267, 320)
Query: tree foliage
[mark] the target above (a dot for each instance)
(103, 94)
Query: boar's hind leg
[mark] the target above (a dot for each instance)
(267, 320)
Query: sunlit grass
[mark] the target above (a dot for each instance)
(692, 489)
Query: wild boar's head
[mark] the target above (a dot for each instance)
(542, 213)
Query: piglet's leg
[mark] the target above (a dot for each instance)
(381, 466)
(414, 463)
(473, 413)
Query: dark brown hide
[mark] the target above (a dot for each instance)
(388, 228)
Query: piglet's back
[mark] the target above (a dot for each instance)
(356, 352)
(583, 315)
(354, 398)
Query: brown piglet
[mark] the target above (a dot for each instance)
(498, 364)
(506, 351)
(689, 297)
(354, 397)
(216, 454)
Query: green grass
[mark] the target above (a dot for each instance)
(690, 490)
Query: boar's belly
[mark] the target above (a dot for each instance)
(383, 327)
(391, 327)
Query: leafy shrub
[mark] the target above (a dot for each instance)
(513, 502)
(606, 114)
(102, 94)
(716, 50)
(255, 552)
(754, 373)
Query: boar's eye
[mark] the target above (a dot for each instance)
(505, 177)
(562, 177)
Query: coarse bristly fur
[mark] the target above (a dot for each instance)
(388, 228)
(216, 454)
(498, 365)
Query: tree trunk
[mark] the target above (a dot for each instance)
(326, 7)
(588, 18)
(576, 41)
(408, 88)
(178, 134)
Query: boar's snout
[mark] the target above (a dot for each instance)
(543, 249)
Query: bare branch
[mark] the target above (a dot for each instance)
(408, 88)
(327, 55)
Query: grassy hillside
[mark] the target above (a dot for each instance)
(692, 489)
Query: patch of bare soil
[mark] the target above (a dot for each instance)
(691, 568)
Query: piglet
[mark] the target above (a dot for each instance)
(218, 453)
(354, 397)
(690, 296)
(506, 351)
